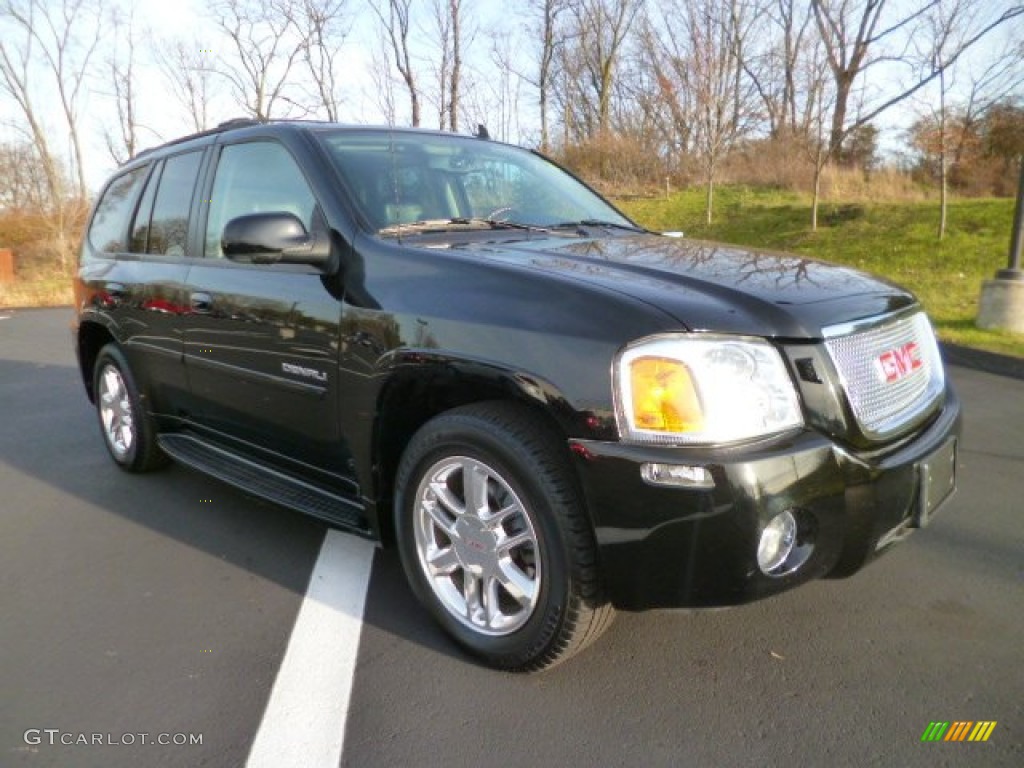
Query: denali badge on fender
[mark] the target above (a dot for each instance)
(299, 370)
(550, 412)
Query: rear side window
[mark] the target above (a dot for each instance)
(109, 228)
(140, 227)
(164, 230)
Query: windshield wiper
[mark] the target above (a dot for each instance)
(597, 223)
(456, 224)
(507, 224)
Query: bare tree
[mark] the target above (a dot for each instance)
(949, 24)
(942, 20)
(58, 40)
(442, 33)
(856, 38)
(16, 57)
(124, 143)
(383, 83)
(450, 34)
(849, 31)
(455, 15)
(785, 29)
(812, 134)
(64, 37)
(548, 34)
(25, 184)
(322, 25)
(504, 88)
(395, 25)
(594, 46)
(666, 55)
(191, 74)
(699, 68)
(265, 46)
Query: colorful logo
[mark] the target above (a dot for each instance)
(959, 730)
(900, 362)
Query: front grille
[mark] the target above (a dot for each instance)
(888, 381)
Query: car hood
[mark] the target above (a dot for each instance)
(709, 286)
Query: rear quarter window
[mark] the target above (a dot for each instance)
(108, 230)
(161, 227)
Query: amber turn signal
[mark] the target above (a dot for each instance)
(664, 396)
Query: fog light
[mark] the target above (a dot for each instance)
(679, 475)
(777, 541)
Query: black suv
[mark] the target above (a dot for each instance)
(455, 346)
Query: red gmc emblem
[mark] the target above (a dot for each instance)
(899, 362)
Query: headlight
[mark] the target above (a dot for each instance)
(685, 389)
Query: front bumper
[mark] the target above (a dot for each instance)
(674, 547)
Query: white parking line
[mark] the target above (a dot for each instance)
(304, 723)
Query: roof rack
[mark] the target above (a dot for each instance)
(227, 125)
(238, 122)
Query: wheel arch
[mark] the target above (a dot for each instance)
(414, 394)
(92, 337)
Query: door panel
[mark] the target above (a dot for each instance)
(261, 341)
(261, 352)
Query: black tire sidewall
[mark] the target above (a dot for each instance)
(525, 477)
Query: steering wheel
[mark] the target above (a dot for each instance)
(501, 214)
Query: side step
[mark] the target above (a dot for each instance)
(260, 480)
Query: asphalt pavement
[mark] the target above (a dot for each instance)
(163, 605)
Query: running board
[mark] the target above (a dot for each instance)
(260, 480)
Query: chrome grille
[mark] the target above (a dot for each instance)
(885, 399)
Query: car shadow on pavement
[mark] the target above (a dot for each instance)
(50, 436)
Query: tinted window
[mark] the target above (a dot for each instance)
(109, 225)
(140, 227)
(256, 177)
(168, 228)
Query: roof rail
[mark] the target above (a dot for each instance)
(227, 125)
(238, 122)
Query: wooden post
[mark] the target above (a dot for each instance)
(6, 266)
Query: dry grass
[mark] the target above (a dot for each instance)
(42, 289)
(44, 247)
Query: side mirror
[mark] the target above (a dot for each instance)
(273, 238)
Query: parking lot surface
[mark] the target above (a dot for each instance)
(163, 604)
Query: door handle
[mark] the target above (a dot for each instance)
(201, 302)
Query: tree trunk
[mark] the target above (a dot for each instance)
(943, 163)
(453, 103)
(709, 199)
(816, 198)
(543, 120)
(835, 140)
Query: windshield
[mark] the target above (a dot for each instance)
(455, 182)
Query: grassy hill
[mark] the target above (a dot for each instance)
(894, 239)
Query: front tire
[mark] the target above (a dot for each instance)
(128, 431)
(494, 539)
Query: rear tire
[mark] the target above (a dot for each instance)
(494, 539)
(128, 430)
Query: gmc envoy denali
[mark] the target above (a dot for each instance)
(454, 346)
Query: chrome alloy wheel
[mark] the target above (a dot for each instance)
(116, 412)
(477, 546)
